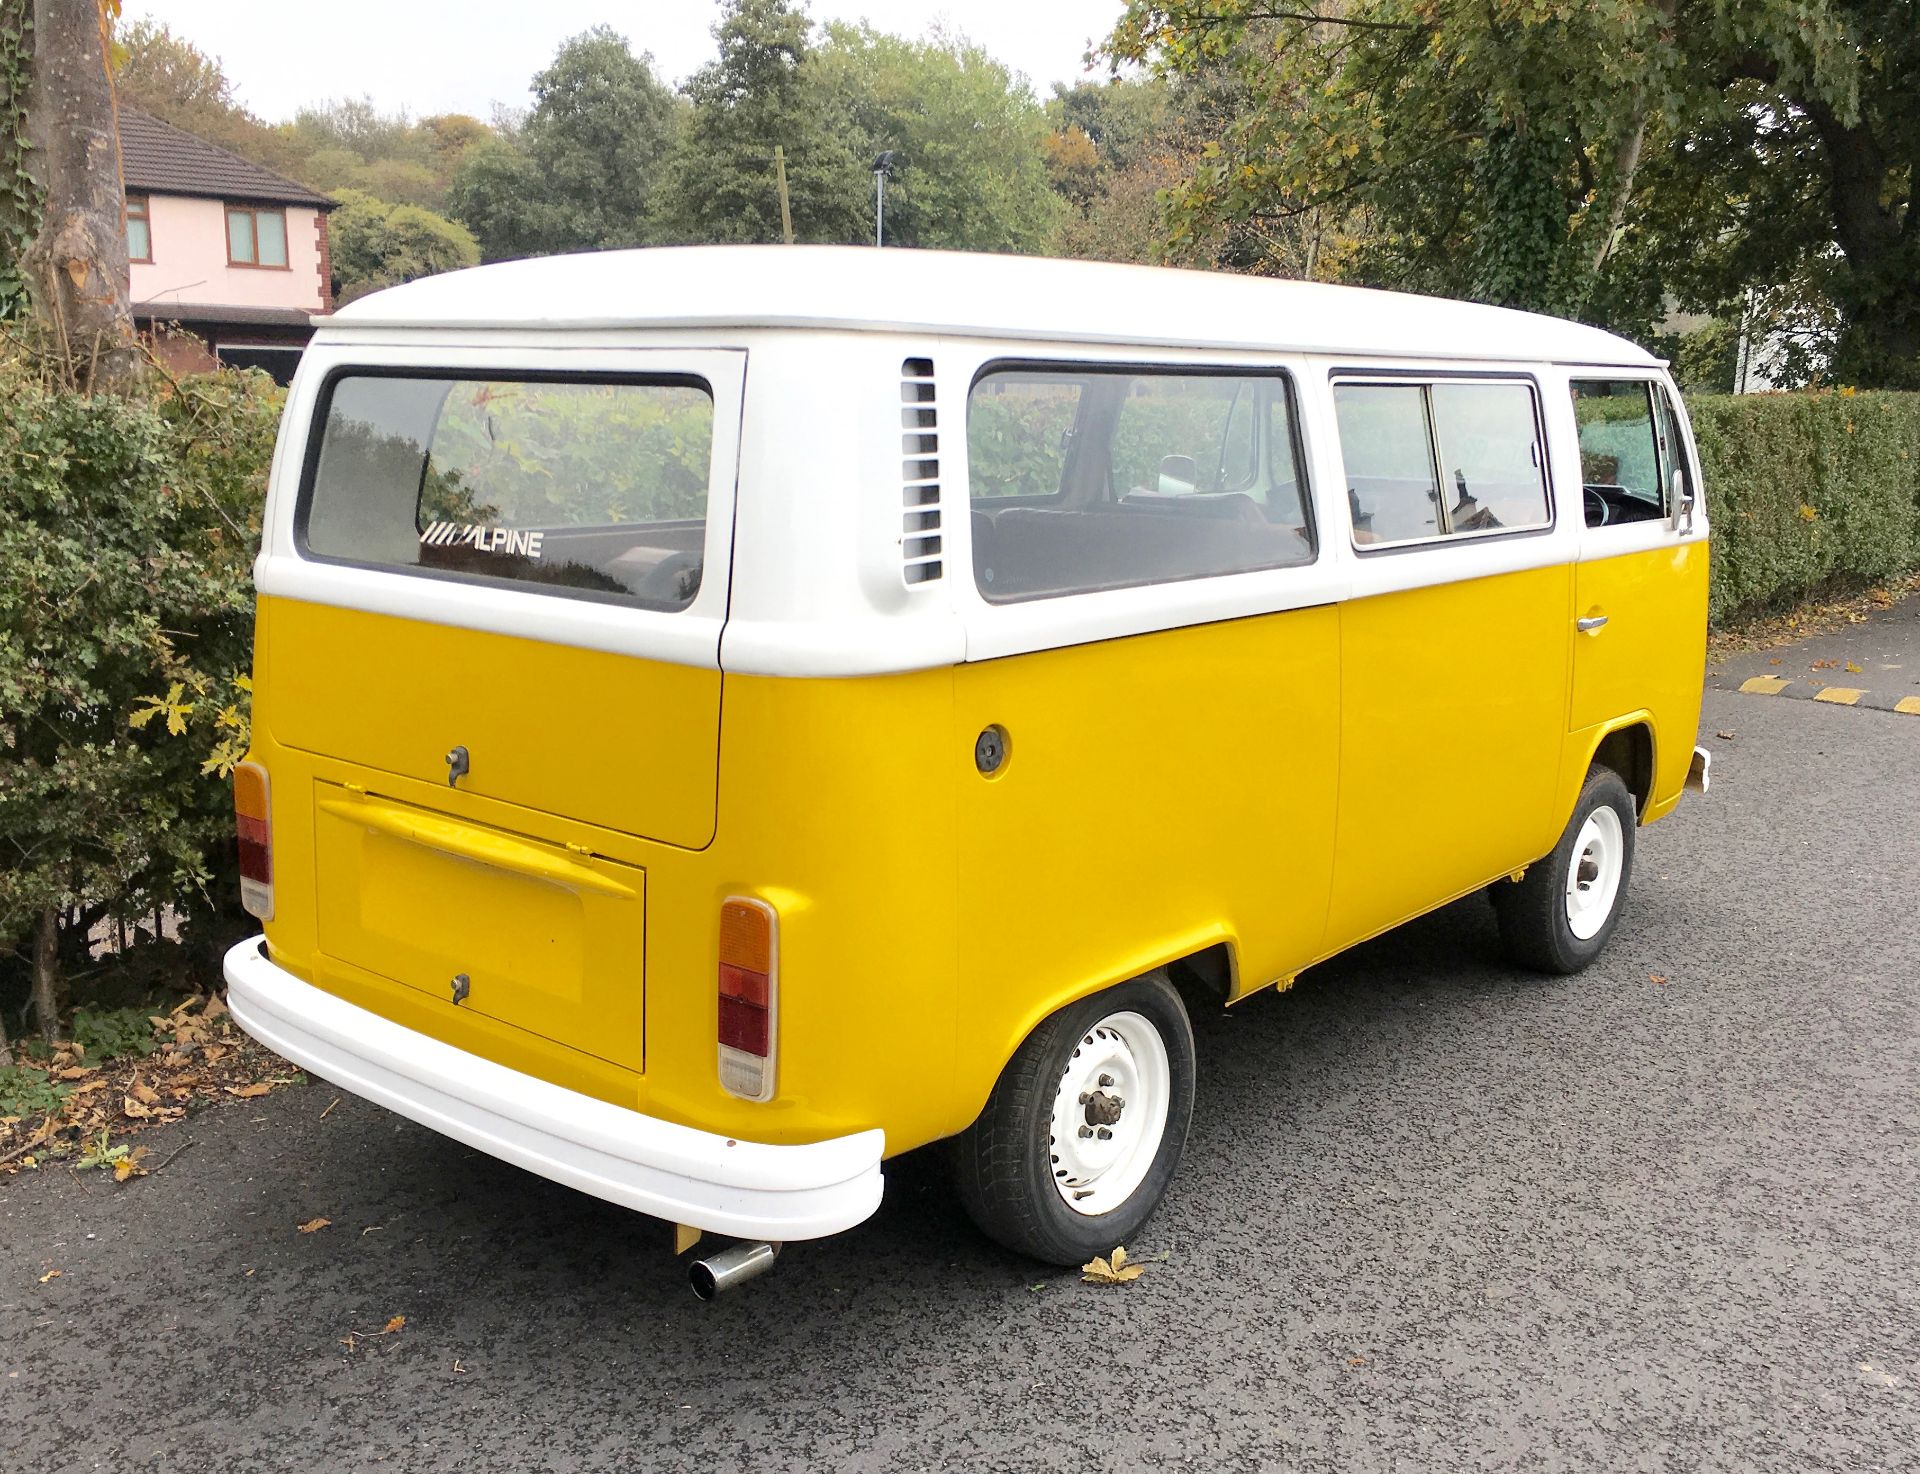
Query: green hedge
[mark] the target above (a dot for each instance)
(1808, 493)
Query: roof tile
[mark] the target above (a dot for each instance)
(158, 158)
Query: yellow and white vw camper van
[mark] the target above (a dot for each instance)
(727, 716)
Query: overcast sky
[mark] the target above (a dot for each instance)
(439, 56)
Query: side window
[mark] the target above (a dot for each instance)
(1391, 488)
(1088, 479)
(1489, 439)
(1620, 455)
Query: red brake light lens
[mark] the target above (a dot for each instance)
(253, 818)
(748, 996)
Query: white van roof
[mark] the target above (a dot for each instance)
(949, 292)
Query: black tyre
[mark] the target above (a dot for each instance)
(1558, 916)
(1085, 1126)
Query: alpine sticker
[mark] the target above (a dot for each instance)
(506, 540)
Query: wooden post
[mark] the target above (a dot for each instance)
(46, 975)
(786, 208)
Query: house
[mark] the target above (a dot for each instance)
(227, 260)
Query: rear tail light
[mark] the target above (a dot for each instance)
(254, 818)
(749, 996)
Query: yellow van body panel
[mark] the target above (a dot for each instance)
(1649, 657)
(1161, 794)
(1282, 785)
(1452, 724)
(418, 689)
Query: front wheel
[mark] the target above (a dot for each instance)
(1558, 916)
(1085, 1126)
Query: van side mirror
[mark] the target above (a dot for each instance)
(1179, 474)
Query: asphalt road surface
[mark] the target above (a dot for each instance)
(1434, 1214)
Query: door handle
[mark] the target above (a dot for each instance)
(1591, 624)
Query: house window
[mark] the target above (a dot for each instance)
(139, 229)
(256, 237)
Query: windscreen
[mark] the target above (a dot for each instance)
(589, 488)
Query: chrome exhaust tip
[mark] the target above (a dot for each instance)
(730, 1267)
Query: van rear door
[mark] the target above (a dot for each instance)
(507, 584)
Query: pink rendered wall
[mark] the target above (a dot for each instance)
(190, 260)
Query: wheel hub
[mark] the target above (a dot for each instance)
(1102, 1109)
(1109, 1113)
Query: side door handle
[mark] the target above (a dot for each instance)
(1591, 625)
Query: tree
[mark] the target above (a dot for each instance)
(75, 269)
(969, 137)
(757, 94)
(376, 244)
(500, 196)
(1556, 155)
(585, 168)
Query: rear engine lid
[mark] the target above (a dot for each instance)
(540, 936)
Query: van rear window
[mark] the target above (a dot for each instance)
(595, 488)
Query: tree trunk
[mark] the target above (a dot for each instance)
(76, 268)
(1626, 163)
(6, 1049)
(47, 981)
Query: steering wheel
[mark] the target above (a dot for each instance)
(1599, 510)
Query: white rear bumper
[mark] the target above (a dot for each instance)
(747, 1189)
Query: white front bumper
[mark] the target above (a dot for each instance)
(747, 1189)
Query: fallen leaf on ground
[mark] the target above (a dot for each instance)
(1823, 665)
(1356, 1361)
(129, 1165)
(315, 1225)
(145, 1094)
(1113, 1270)
(1774, 661)
(51, 1274)
(249, 1092)
(75, 1072)
(397, 1323)
(1724, 736)
(1854, 669)
(1656, 977)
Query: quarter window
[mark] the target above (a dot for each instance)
(256, 237)
(1088, 479)
(592, 488)
(1447, 459)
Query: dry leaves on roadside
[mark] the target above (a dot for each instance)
(250, 1092)
(314, 1225)
(51, 1274)
(1114, 1269)
(397, 1323)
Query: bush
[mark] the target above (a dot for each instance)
(1808, 493)
(128, 527)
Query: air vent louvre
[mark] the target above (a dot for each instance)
(921, 519)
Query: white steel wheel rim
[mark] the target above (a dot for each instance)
(1109, 1113)
(1593, 877)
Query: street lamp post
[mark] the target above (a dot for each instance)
(882, 167)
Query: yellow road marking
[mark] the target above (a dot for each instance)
(1764, 685)
(1839, 695)
(1909, 704)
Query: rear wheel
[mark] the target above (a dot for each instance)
(1085, 1126)
(1558, 916)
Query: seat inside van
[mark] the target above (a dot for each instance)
(1021, 552)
